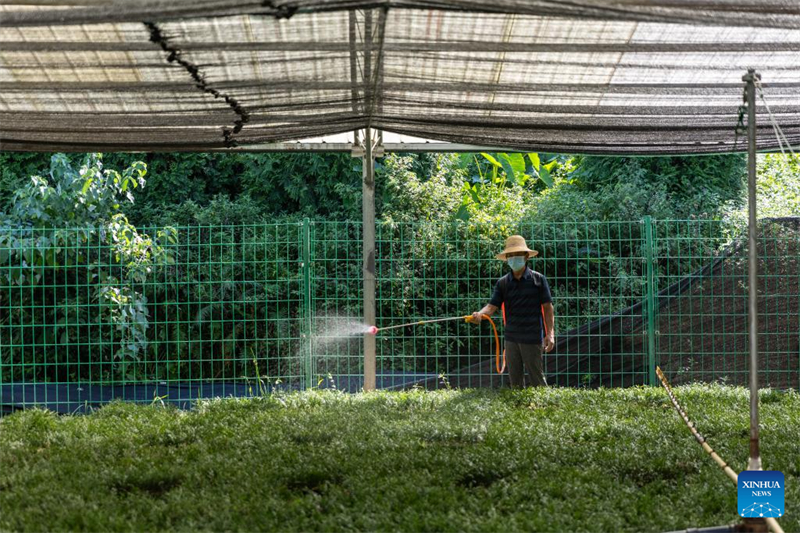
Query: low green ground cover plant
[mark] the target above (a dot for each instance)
(533, 460)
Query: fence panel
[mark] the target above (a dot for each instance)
(701, 329)
(82, 321)
(337, 305)
(239, 310)
(595, 271)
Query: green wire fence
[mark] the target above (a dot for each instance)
(241, 310)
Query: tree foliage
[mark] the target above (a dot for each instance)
(73, 217)
(425, 203)
(315, 185)
(467, 186)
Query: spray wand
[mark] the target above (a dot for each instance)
(373, 330)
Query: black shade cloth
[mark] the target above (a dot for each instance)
(599, 76)
(82, 397)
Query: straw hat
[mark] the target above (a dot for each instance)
(516, 243)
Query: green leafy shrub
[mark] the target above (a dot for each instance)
(777, 191)
(70, 259)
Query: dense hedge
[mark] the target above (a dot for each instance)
(441, 219)
(183, 186)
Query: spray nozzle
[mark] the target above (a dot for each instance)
(373, 330)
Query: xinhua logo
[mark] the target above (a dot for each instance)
(761, 493)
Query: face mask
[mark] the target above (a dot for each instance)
(516, 263)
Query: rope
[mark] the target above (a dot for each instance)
(782, 139)
(771, 522)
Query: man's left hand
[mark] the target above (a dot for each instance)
(549, 343)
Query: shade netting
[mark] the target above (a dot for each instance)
(597, 76)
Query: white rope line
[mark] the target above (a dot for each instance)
(782, 139)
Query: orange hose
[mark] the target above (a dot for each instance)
(497, 366)
(497, 348)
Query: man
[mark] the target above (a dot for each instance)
(526, 296)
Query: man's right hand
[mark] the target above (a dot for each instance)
(477, 317)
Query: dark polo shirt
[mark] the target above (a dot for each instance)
(523, 298)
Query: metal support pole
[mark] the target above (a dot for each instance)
(651, 308)
(368, 209)
(752, 264)
(368, 228)
(308, 366)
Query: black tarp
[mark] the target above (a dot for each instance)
(81, 398)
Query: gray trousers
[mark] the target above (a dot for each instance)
(530, 355)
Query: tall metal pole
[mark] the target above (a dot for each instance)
(368, 209)
(368, 229)
(752, 264)
(651, 302)
(307, 303)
